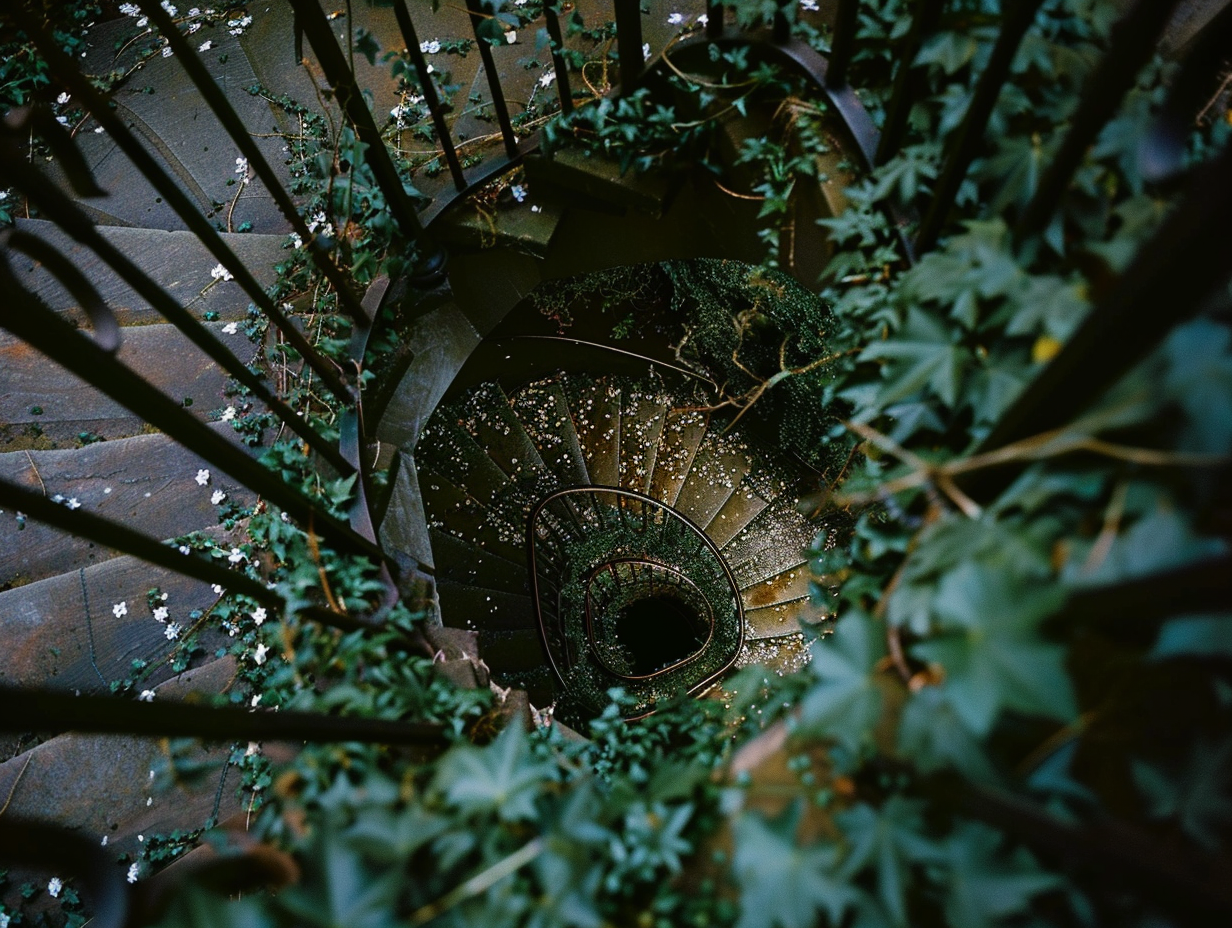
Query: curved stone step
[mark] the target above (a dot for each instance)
(595, 405)
(45, 406)
(718, 467)
(782, 587)
(147, 482)
(176, 261)
(775, 540)
(683, 432)
(784, 654)
(476, 608)
(543, 409)
(462, 562)
(741, 508)
(452, 511)
(641, 427)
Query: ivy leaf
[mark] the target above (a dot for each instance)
(934, 737)
(339, 890)
(1047, 304)
(927, 358)
(996, 658)
(984, 885)
(1199, 376)
(1161, 539)
(783, 885)
(501, 778)
(846, 704)
(890, 839)
(1195, 636)
(950, 50)
(1196, 795)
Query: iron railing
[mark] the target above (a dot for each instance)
(1173, 273)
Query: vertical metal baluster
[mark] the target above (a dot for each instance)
(907, 91)
(68, 216)
(494, 84)
(1133, 41)
(629, 43)
(83, 91)
(969, 136)
(714, 18)
(781, 30)
(407, 27)
(334, 65)
(221, 107)
(846, 20)
(552, 18)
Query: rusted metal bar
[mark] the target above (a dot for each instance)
(47, 710)
(311, 19)
(1165, 284)
(629, 43)
(551, 17)
(907, 91)
(1133, 41)
(29, 319)
(499, 106)
(217, 101)
(435, 108)
(969, 136)
(780, 30)
(842, 47)
(714, 18)
(92, 101)
(56, 206)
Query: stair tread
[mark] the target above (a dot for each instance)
(483, 608)
(737, 512)
(774, 541)
(718, 467)
(114, 804)
(159, 353)
(147, 482)
(182, 133)
(595, 405)
(176, 261)
(51, 626)
(489, 418)
(782, 618)
(783, 654)
(786, 585)
(450, 510)
(448, 448)
(683, 431)
(543, 409)
(641, 427)
(514, 651)
(459, 561)
(528, 226)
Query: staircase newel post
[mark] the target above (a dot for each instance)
(629, 43)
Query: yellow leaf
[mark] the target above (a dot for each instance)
(1045, 349)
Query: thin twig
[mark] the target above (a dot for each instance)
(479, 883)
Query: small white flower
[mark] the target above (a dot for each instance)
(217, 498)
(167, 53)
(236, 556)
(431, 47)
(99, 130)
(230, 328)
(258, 615)
(217, 588)
(54, 885)
(284, 517)
(227, 414)
(119, 610)
(645, 49)
(256, 700)
(430, 69)
(143, 22)
(63, 99)
(62, 120)
(104, 843)
(205, 46)
(296, 241)
(172, 631)
(193, 28)
(536, 209)
(241, 168)
(253, 748)
(195, 11)
(259, 654)
(58, 498)
(146, 696)
(809, 6)
(129, 9)
(166, 5)
(518, 191)
(548, 79)
(511, 36)
(703, 19)
(161, 614)
(203, 477)
(132, 873)
(73, 504)
(184, 549)
(675, 19)
(218, 272)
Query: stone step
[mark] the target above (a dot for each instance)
(641, 428)
(782, 587)
(461, 562)
(719, 466)
(117, 788)
(683, 431)
(597, 178)
(482, 608)
(595, 405)
(447, 448)
(45, 406)
(783, 654)
(543, 409)
(774, 541)
(512, 652)
(527, 227)
(487, 285)
(450, 510)
(64, 631)
(489, 418)
(781, 619)
(147, 482)
(164, 109)
(739, 510)
(176, 261)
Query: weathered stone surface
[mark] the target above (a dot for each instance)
(176, 261)
(147, 482)
(405, 527)
(67, 405)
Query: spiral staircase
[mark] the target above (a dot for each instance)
(479, 479)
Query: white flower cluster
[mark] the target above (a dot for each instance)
(430, 47)
(71, 502)
(547, 79)
(237, 26)
(218, 272)
(241, 168)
